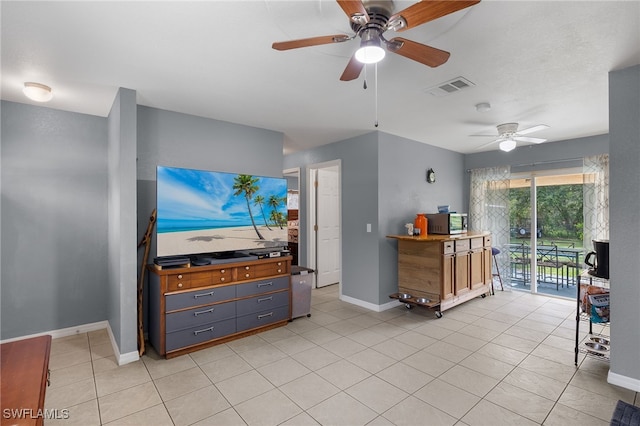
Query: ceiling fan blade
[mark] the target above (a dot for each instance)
(426, 11)
(355, 10)
(312, 41)
(489, 143)
(419, 52)
(532, 129)
(353, 70)
(529, 139)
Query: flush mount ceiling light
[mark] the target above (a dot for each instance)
(508, 145)
(370, 51)
(483, 107)
(37, 92)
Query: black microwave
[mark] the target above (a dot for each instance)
(446, 223)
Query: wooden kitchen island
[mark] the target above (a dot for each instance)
(446, 270)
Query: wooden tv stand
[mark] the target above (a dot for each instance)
(191, 308)
(25, 376)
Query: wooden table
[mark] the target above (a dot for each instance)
(25, 374)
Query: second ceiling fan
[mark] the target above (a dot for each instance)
(369, 21)
(509, 135)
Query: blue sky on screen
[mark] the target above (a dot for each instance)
(188, 195)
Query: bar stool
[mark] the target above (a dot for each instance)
(494, 252)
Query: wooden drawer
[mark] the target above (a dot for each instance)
(487, 241)
(207, 278)
(262, 286)
(199, 297)
(447, 247)
(260, 271)
(276, 268)
(462, 245)
(201, 279)
(262, 303)
(262, 318)
(220, 276)
(199, 334)
(477, 243)
(179, 282)
(198, 316)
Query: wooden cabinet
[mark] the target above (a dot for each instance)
(445, 269)
(448, 274)
(193, 308)
(462, 260)
(25, 376)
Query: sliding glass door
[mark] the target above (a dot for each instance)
(546, 231)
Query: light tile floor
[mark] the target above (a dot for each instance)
(504, 359)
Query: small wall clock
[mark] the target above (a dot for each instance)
(431, 176)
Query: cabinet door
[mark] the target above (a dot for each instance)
(461, 280)
(448, 273)
(487, 265)
(476, 268)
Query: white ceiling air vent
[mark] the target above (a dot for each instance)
(449, 87)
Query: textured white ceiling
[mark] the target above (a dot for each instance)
(534, 61)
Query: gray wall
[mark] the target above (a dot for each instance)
(173, 139)
(383, 183)
(359, 203)
(404, 191)
(53, 219)
(70, 203)
(121, 205)
(624, 235)
(169, 138)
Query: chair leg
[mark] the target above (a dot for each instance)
(498, 274)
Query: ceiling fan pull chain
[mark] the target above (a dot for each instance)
(364, 86)
(376, 93)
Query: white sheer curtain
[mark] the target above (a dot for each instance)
(595, 199)
(489, 210)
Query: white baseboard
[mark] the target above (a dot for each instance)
(372, 307)
(121, 359)
(85, 328)
(623, 381)
(64, 332)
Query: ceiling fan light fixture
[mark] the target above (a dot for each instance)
(370, 51)
(370, 54)
(507, 145)
(37, 92)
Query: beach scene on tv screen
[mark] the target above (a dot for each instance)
(207, 211)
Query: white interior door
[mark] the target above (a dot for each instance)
(328, 254)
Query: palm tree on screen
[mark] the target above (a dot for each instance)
(259, 201)
(278, 218)
(247, 185)
(274, 203)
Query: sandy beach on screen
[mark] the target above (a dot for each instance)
(223, 239)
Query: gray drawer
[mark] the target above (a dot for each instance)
(262, 286)
(199, 334)
(202, 315)
(259, 319)
(262, 302)
(204, 296)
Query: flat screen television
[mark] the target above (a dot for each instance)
(210, 212)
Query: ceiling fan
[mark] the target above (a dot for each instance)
(370, 19)
(508, 135)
